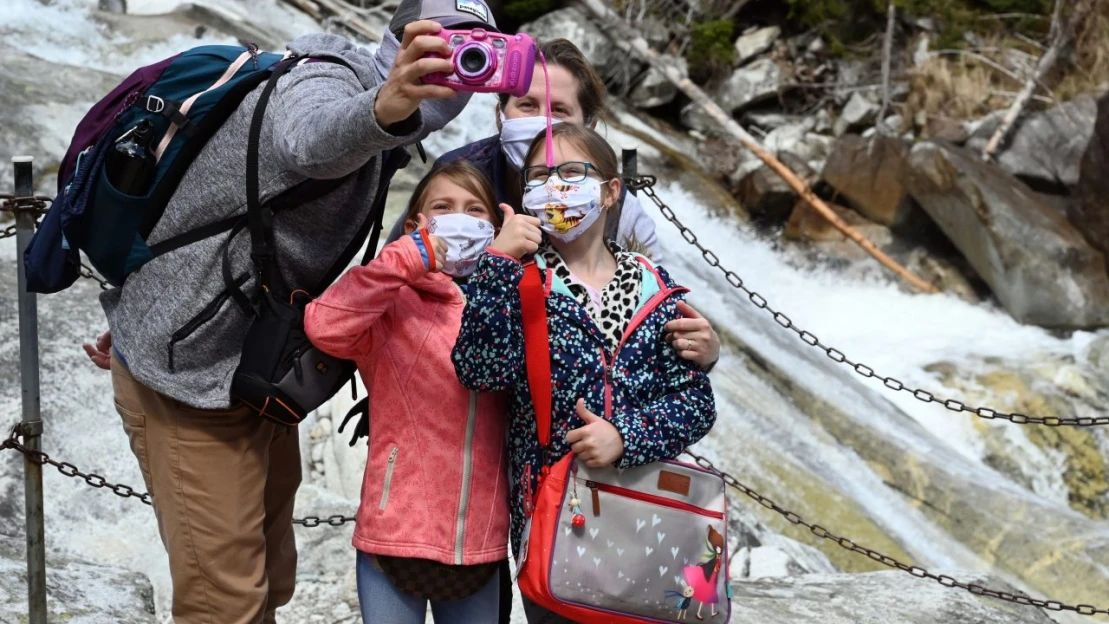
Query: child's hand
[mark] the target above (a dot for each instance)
(438, 246)
(598, 443)
(520, 234)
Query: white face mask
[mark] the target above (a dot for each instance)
(517, 135)
(565, 209)
(466, 238)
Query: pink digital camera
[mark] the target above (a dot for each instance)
(488, 62)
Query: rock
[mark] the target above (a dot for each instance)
(754, 43)
(941, 273)
(876, 597)
(945, 129)
(799, 139)
(806, 223)
(76, 592)
(764, 194)
(655, 89)
(859, 112)
(921, 52)
(822, 121)
(1044, 148)
(194, 19)
(769, 562)
(1090, 210)
(695, 118)
(40, 104)
(871, 175)
(112, 6)
(771, 119)
(1038, 265)
(570, 23)
(1097, 355)
(761, 80)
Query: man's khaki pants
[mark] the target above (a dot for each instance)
(223, 484)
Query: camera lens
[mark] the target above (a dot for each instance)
(473, 60)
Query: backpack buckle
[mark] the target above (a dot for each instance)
(155, 104)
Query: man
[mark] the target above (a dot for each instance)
(223, 478)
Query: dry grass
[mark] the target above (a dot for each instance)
(972, 83)
(1090, 72)
(955, 87)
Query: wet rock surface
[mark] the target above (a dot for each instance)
(1039, 266)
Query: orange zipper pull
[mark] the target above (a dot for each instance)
(596, 497)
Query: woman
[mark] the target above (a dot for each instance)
(620, 396)
(577, 97)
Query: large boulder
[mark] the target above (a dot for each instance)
(571, 23)
(76, 592)
(871, 175)
(1038, 264)
(876, 597)
(1043, 148)
(1089, 212)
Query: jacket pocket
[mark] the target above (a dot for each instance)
(204, 316)
(388, 478)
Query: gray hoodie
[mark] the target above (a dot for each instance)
(319, 124)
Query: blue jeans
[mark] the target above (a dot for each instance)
(381, 603)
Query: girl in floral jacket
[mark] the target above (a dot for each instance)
(621, 395)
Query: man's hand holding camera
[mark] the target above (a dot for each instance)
(404, 89)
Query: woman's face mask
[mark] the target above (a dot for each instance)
(517, 135)
(565, 209)
(466, 238)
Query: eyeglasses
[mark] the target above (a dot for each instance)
(567, 172)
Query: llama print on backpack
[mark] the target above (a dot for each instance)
(702, 578)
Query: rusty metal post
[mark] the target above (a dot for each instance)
(31, 426)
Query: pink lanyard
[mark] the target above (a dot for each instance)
(550, 136)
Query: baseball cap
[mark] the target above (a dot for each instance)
(454, 14)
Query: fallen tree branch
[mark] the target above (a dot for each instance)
(632, 42)
(1062, 36)
(887, 52)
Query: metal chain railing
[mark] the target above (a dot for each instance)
(126, 491)
(87, 273)
(39, 205)
(10, 203)
(646, 184)
(886, 560)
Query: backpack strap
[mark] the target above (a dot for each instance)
(537, 348)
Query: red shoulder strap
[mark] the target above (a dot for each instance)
(537, 347)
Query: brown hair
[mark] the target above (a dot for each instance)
(715, 538)
(591, 89)
(464, 174)
(586, 139)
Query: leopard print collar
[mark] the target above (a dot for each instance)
(619, 299)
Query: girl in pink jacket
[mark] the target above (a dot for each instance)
(433, 521)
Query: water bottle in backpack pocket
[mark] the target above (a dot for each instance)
(127, 157)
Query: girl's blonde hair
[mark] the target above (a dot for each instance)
(464, 174)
